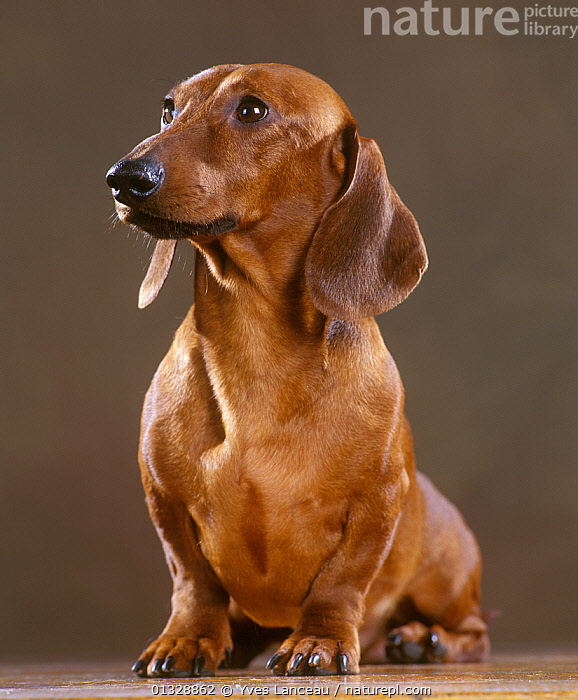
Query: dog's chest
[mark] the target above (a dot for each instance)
(266, 528)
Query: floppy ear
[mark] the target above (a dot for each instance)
(367, 253)
(159, 267)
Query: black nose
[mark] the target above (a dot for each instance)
(132, 180)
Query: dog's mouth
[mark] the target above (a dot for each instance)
(168, 232)
(172, 229)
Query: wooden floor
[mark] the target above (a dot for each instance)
(505, 676)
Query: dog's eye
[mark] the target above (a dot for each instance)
(168, 111)
(251, 109)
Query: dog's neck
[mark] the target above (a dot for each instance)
(279, 336)
(236, 277)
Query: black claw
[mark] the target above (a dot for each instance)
(139, 666)
(436, 651)
(342, 664)
(157, 667)
(198, 665)
(399, 651)
(314, 660)
(393, 648)
(293, 670)
(228, 655)
(273, 661)
(170, 661)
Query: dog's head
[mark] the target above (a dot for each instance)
(270, 152)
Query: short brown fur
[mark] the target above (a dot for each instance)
(275, 455)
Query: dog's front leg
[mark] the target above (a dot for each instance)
(325, 640)
(197, 636)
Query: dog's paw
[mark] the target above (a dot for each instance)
(181, 657)
(414, 644)
(314, 656)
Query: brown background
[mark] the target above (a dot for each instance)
(479, 135)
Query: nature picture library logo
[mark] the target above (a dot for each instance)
(533, 20)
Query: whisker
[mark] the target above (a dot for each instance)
(113, 220)
(162, 80)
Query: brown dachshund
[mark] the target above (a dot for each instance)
(276, 458)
